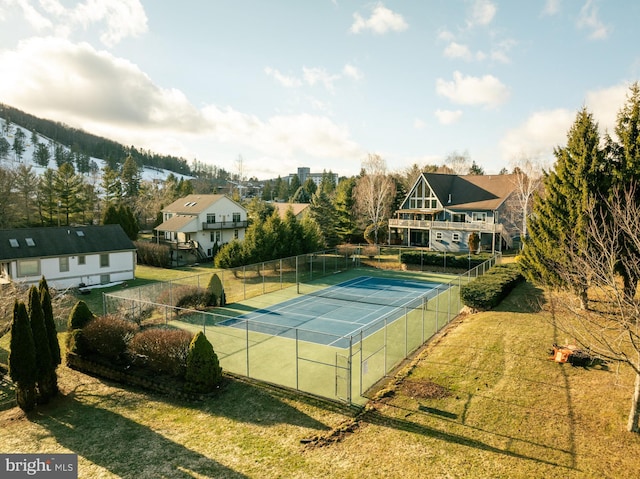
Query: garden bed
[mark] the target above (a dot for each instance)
(135, 376)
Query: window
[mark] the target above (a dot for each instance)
(14, 243)
(82, 259)
(105, 278)
(64, 264)
(218, 233)
(29, 241)
(438, 235)
(80, 233)
(211, 218)
(236, 217)
(104, 260)
(482, 217)
(235, 234)
(29, 267)
(455, 237)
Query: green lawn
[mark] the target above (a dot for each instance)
(481, 401)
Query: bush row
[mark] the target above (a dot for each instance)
(161, 351)
(153, 254)
(436, 259)
(487, 291)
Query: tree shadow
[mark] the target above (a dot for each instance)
(124, 447)
(525, 298)
(376, 417)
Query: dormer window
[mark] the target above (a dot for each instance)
(14, 243)
(29, 241)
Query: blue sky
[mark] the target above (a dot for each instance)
(322, 83)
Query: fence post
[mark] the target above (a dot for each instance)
(246, 322)
(297, 366)
(244, 282)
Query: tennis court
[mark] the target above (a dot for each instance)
(340, 311)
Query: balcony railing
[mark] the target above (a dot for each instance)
(224, 225)
(446, 225)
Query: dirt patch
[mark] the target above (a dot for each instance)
(423, 390)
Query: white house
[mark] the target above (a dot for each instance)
(441, 212)
(67, 256)
(197, 224)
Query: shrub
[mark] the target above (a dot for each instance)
(108, 336)
(79, 316)
(153, 254)
(185, 297)
(426, 258)
(75, 343)
(203, 367)
(215, 290)
(22, 358)
(44, 364)
(487, 291)
(162, 350)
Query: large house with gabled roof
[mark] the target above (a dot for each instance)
(442, 210)
(67, 256)
(194, 226)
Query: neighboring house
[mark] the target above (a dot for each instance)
(441, 211)
(194, 226)
(300, 210)
(67, 256)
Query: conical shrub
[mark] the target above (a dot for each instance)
(22, 358)
(203, 368)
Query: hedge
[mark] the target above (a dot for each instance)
(487, 291)
(435, 259)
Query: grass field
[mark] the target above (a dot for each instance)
(480, 401)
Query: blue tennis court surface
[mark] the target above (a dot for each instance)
(327, 315)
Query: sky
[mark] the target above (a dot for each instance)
(261, 88)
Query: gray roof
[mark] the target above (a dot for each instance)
(62, 241)
(482, 192)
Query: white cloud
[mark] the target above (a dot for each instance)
(457, 50)
(469, 90)
(119, 18)
(482, 13)
(605, 104)
(589, 20)
(110, 96)
(284, 80)
(382, 20)
(446, 35)
(544, 130)
(448, 117)
(321, 76)
(419, 124)
(351, 71)
(551, 7)
(538, 135)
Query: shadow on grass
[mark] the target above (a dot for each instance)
(525, 298)
(124, 447)
(380, 419)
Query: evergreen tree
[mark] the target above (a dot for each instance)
(44, 363)
(130, 177)
(111, 185)
(22, 358)
(293, 235)
(560, 214)
(301, 196)
(26, 186)
(275, 239)
(294, 185)
(344, 205)
(46, 198)
(19, 144)
(127, 220)
(67, 187)
(328, 183)
(41, 155)
(52, 334)
(203, 367)
(313, 238)
(5, 147)
(110, 215)
(324, 213)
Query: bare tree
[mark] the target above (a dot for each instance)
(527, 178)
(611, 328)
(459, 163)
(374, 192)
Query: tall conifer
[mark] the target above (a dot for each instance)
(22, 358)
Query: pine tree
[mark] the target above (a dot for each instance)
(560, 213)
(203, 367)
(41, 343)
(130, 177)
(67, 186)
(343, 203)
(324, 213)
(52, 334)
(22, 358)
